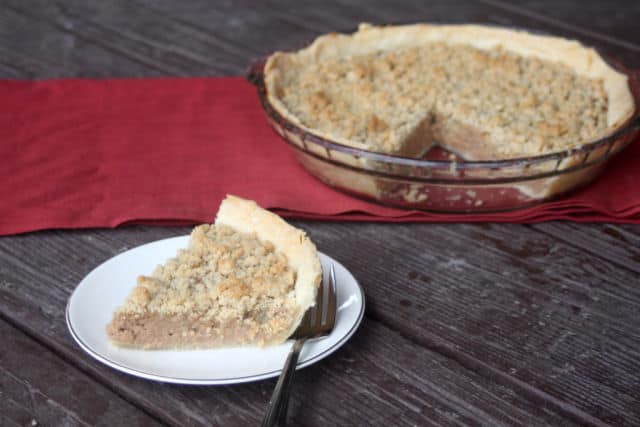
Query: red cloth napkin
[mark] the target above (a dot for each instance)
(100, 153)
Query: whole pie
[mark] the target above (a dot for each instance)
(480, 92)
(245, 280)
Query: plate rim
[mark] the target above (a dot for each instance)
(208, 381)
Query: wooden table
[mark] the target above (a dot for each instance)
(466, 324)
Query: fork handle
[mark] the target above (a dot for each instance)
(279, 402)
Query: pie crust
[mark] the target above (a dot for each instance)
(416, 134)
(248, 279)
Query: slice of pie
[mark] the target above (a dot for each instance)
(245, 280)
(483, 93)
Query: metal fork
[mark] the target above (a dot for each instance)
(317, 322)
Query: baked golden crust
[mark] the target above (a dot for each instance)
(247, 217)
(607, 100)
(233, 285)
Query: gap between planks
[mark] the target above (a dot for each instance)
(46, 339)
(523, 11)
(89, 373)
(140, 59)
(599, 254)
(441, 346)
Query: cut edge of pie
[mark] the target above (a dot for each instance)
(194, 301)
(582, 60)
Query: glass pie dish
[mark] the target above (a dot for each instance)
(443, 182)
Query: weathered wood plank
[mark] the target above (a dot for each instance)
(56, 52)
(467, 324)
(13, 414)
(594, 18)
(575, 22)
(618, 245)
(140, 51)
(146, 38)
(158, 43)
(378, 371)
(39, 388)
(525, 304)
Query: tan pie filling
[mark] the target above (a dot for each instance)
(227, 288)
(481, 104)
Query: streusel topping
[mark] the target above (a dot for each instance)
(224, 275)
(525, 106)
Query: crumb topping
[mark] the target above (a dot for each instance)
(225, 277)
(524, 106)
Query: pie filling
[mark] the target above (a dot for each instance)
(480, 104)
(226, 288)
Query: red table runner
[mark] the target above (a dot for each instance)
(100, 153)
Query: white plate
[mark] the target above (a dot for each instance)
(97, 296)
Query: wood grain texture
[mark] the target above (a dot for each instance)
(479, 324)
(529, 306)
(599, 20)
(39, 388)
(619, 245)
(151, 38)
(377, 369)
